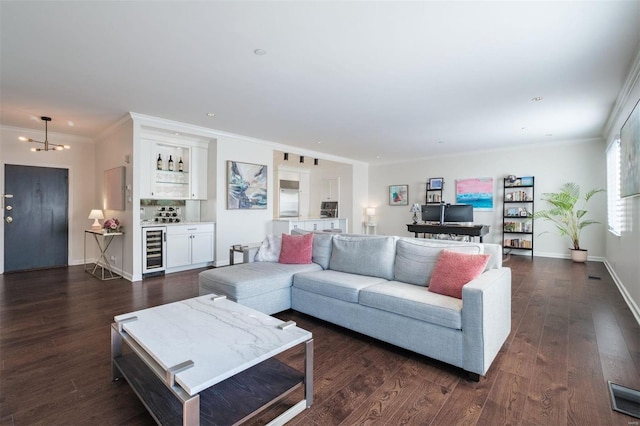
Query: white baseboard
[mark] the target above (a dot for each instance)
(625, 295)
(566, 256)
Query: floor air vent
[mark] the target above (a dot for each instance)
(625, 400)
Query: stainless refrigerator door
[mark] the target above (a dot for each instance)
(289, 203)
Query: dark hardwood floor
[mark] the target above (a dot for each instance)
(570, 335)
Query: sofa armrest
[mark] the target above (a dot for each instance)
(486, 318)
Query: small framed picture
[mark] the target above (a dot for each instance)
(436, 183)
(399, 195)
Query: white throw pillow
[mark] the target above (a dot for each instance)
(269, 250)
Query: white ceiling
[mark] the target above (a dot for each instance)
(393, 80)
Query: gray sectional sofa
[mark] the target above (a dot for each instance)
(376, 285)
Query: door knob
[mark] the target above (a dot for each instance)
(8, 219)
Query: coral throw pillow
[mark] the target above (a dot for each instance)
(296, 248)
(453, 270)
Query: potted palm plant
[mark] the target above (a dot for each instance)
(567, 217)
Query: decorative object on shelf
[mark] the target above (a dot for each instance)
(630, 154)
(434, 190)
(476, 191)
(48, 146)
(415, 209)
(180, 165)
(315, 161)
(567, 218)
(246, 185)
(159, 163)
(170, 164)
(435, 183)
(511, 179)
(302, 159)
(95, 215)
(526, 180)
(286, 156)
(398, 195)
(111, 225)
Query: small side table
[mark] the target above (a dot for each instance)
(370, 228)
(239, 248)
(106, 270)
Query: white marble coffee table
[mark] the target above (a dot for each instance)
(190, 358)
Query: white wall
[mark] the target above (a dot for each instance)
(80, 162)
(551, 164)
(623, 252)
(240, 226)
(111, 149)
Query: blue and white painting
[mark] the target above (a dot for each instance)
(630, 154)
(477, 191)
(247, 185)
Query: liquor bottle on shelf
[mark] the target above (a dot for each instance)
(159, 162)
(180, 165)
(170, 163)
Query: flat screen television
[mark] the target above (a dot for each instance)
(458, 213)
(431, 212)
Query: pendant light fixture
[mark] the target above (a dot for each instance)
(47, 145)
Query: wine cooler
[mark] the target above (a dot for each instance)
(154, 253)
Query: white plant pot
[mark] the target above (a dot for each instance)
(579, 256)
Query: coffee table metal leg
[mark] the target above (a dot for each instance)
(116, 350)
(308, 372)
(191, 411)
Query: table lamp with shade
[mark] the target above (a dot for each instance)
(95, 215)
(371, 212)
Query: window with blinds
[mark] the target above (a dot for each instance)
(613, 188)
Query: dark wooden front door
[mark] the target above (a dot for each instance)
(37, 234)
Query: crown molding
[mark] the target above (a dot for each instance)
(190, 129)
(633, 78)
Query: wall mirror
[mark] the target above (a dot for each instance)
(114, 182)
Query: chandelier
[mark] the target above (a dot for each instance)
(47, 145)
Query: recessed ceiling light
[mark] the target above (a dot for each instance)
(70, 123)
(440, 142)
(319, 142)
(536, 99)
(260, 52)
(211, 114)
(549, 134)
(523, 128)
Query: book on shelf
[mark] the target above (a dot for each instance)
(517, 196)
(518, 243)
